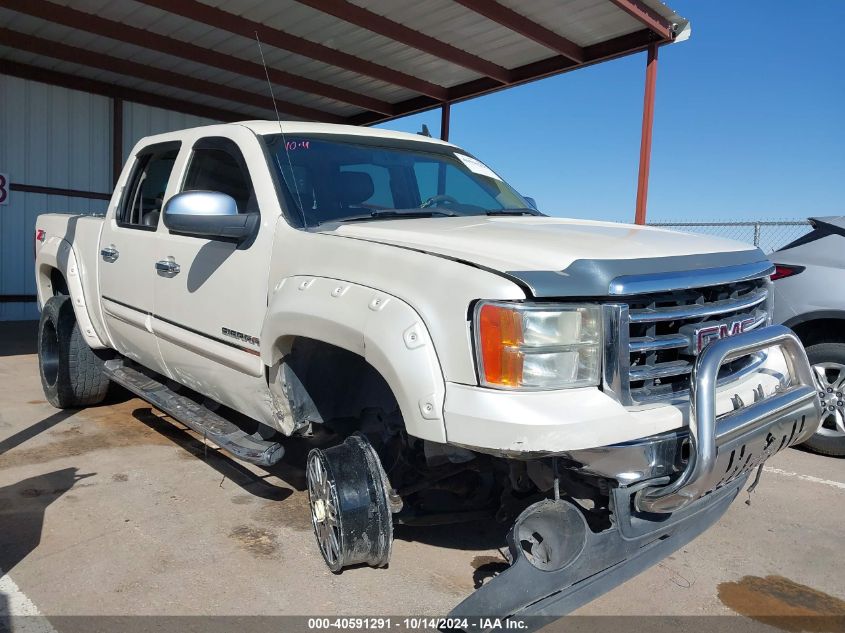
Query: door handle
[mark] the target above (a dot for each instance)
(109, 253)
(168, 267)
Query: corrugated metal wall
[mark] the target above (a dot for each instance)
(51, 137)
(56, 137)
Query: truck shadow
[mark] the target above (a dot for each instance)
(36, 429)
(471, 536)
(253, 483)
(5, 613)
(22, 507)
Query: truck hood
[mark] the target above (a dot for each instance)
(555, 257)
(533, 243)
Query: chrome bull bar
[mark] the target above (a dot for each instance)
(793, 414)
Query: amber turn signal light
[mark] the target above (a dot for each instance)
(500, 334)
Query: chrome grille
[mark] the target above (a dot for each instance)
(658, 333)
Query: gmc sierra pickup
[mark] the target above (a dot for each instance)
(607, 389)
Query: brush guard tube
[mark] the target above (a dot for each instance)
(789, 417)
(559, 563)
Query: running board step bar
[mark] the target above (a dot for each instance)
(219, 430)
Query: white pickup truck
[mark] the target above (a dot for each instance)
(453, 353)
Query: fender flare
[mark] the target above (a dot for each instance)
(57, 253)
(387, 332)
(814, 316)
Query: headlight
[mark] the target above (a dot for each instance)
(525, 346)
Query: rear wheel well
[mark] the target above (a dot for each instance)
(341, 385)
(820, 331)
(58, 283)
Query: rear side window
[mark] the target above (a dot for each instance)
(143, 197)
(217, 164)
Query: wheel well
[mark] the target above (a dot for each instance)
(340, 384)
(58, 282)
(820, 331)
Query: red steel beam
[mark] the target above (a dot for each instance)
(75, 82)
(645, 141)
(116, 138)
(648, 17)
(76, 19)
(218, 18)
(525, 27)
(64, 52)
(366, 19)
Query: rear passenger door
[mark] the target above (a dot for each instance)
(209, 314)
(127, 256)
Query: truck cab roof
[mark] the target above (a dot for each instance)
(262, 127)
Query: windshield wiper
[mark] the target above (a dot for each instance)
(525, 211)
(379, 214)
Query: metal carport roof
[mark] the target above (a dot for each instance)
(341, 61)
(352, 61)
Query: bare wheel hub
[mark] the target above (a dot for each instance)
(319, 510)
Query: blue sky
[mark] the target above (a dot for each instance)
(749, 122)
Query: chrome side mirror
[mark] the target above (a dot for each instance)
(208, 214)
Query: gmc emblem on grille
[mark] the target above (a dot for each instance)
(702, 337)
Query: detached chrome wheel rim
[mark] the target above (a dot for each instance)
(324, 516)
(349, 504)
(830, 380)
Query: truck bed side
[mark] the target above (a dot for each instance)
(66, 263)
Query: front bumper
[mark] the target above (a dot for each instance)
(599, 560)
(668, 489)
(529, 424)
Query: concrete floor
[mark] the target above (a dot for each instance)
(115, 510)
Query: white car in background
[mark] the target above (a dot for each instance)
(810, 299)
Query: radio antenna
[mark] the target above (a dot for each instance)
(282, 132)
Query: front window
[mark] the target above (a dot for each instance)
(331, 180)
(218, 165)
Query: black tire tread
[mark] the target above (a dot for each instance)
(81, 380)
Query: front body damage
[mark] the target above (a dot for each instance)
(597, 483)
(565, 552)
(568, 564)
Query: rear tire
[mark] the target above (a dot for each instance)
(72, 374)
(828, 359)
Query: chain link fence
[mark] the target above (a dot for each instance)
(769, 235)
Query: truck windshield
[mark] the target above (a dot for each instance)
(356, 179)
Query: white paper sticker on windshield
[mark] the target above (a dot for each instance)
(475, 165)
